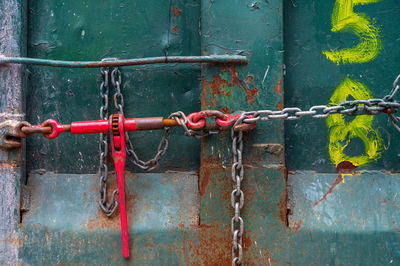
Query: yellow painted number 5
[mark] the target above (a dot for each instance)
(345, 20)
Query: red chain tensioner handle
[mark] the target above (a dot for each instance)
(116, 127)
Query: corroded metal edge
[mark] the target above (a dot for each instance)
(12, 77)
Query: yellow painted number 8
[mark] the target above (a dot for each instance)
(341, 132)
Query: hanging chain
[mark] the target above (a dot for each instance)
(108, 207)
(133, 157)
(237, 195)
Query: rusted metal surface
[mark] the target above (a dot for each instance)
(27, 130)
(9, 138)
(12, 43)
(236, 88)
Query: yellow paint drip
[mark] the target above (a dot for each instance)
(342, 132)
(345, 20)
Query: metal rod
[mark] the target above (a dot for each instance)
(214, 59)
(33, 130)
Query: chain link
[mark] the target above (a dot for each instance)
(351, 108)
(108, 207)
(153, 163)
(390, 98)
(182, 120)
(237, 195)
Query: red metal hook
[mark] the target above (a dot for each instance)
(55, 126)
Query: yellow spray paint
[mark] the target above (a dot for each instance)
(345, 20)
(342, 132)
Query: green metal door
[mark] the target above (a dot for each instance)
(316, 191)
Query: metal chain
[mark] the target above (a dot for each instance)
(182, 120)
(356, 107)
(390, 98)
(237, 195)
(351, 108)
(108, 207)
(133, 157)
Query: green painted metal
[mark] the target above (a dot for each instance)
(68, 227)
(311, 79)
(217, 59)
(92, 29)
(181, 215)
(339, 222)
(255, 30)
(357, 224)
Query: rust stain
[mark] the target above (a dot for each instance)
(150, 240)
(225, 110)
(216, 85)
(14, 241)
(250, 93)
(345, 167)
(337, 182)
(176, 11)
(113, 222)
(204, 180)
(282, 205)
(280, 105)
(234, 76)
(175, 29)
(278, 87)
(103, 222)
(249, 79)
(4, 165)
(247, 241)
(204, 93)
(211, 247)
(297, 225)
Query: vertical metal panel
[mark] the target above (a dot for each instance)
(12, 43)
(252, 28)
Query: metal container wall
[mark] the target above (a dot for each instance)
(317, 191)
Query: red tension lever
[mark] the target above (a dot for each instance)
(116, 127)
